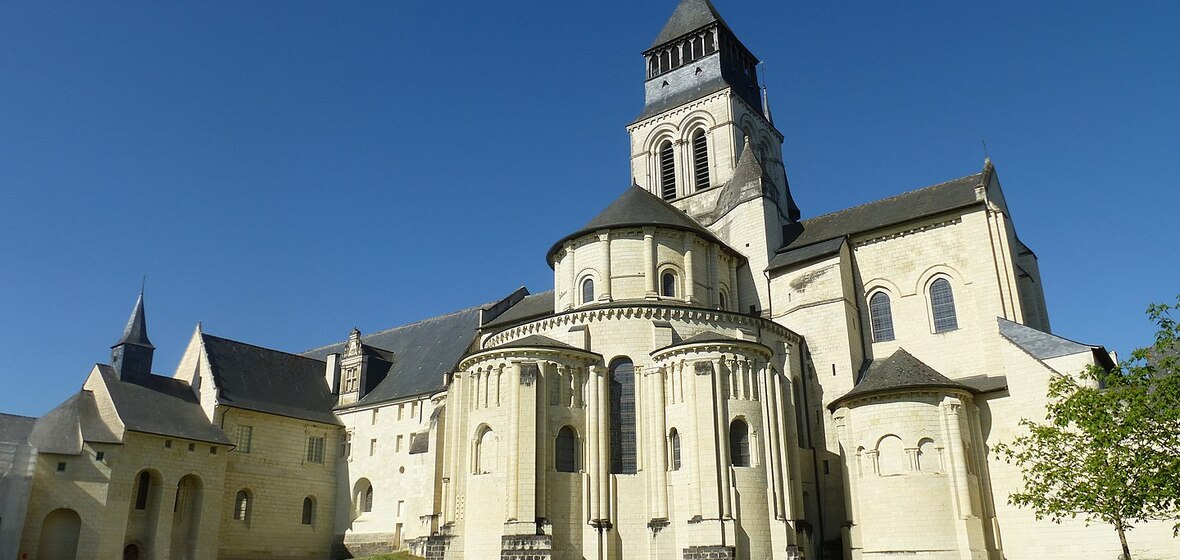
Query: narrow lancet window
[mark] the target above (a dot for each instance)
(881, 317)
(622, 417)
(700, 159)
(739, 444)
(566, 451)
(942, 303)
(667, 171)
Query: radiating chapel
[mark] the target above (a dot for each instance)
(713, 375)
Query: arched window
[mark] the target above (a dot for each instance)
(131, 552)
(700, 159)
(588, 290)
(739, 443)
(308, 510)
(667, 171)
(242, 506)
(942, 303)
(622, 417)
(668, 284)
(881, 317)
(891, 457)
(674, 449)
(566, 450)
(723, 300)
(698, 47)
(142, 487)
(485, 451)
(928, 460)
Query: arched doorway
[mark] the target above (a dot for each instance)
(59, 535)
(131, 552)
(143, 511)
(186, 518)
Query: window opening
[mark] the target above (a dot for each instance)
(315, 449)
(700, 159)
(667, 171)
(308, 510)
(141, 492)
(942, 302)
(739, 444)
(668, 284)
(622, 417)
(566, 450)
(242, 506)
(588, 290)
(674, 445)
(881, 317)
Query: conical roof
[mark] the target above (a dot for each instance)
(899, 371)
(689, 16)
(638, 208)
(136, 330)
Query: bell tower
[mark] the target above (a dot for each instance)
(131, 356)
(702, 106)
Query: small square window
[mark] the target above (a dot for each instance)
(61, 467)
(168, 444)
(213, 450)
(99, 455)
(192, 447)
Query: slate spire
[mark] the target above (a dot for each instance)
(131, 356)
(689, 16)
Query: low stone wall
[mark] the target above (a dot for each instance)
(368, 544)
(526, 547)
(710, 553)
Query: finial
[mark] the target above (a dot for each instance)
(986, 156)
(142, 284)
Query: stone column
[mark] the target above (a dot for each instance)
(649, 261)
(714, 282)
(571, 278)
(544, 435)
(769, 446)
(851, 532)
(527, 416)
(954, 437)
(660, 443)
(721, 414)
(690, 289)
(603, 446)
(593, 421)
(514, 447)
(604, 241)
(734, 301)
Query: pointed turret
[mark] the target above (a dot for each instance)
(689, 16)
(131, 356)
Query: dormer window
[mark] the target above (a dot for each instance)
(351, 380)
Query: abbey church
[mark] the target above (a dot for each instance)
(712, 375)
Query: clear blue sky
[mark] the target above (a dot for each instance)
(285, 171)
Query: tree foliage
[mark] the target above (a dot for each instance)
(1109, 449)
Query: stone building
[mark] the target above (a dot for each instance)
(711, 376)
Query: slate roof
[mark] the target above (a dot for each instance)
(264, 380)
(913, 205)
(807, 253)
(531, 307)
(63, 429)
(1044, 346)
(424, 351)
(638, 208)
(15, 429)
(901, 370)
(689, 16)
(537, 341)
(136, 330)
(160, 405)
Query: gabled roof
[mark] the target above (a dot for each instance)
(136, 330)
(264, 380)
(63, 429)
(531, 307)
(689, 16)
(424, 351)
(160, 405)
(15, 429)
(638, 208)
(905, 207)
(899, 371)
(1044, 346)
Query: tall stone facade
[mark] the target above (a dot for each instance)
(710, 377)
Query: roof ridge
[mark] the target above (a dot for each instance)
(21, 416)
(407, 325)
(1095, 346)
(205, 334)
(894, 197)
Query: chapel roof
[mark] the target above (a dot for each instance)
(905, 207)
(538, 341)
(160, 405)
(531, 307)
(264, 380)
(638, 208)
(423, 352)
(1045, 346)
(63, 429)
(901, 370)
(15, 428)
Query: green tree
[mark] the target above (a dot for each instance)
(1109, 449)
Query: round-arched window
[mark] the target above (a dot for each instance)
(588, 290)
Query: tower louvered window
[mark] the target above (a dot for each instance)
(881, 317)
(667, 171)
(700, 160)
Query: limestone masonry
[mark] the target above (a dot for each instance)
(711, 377)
